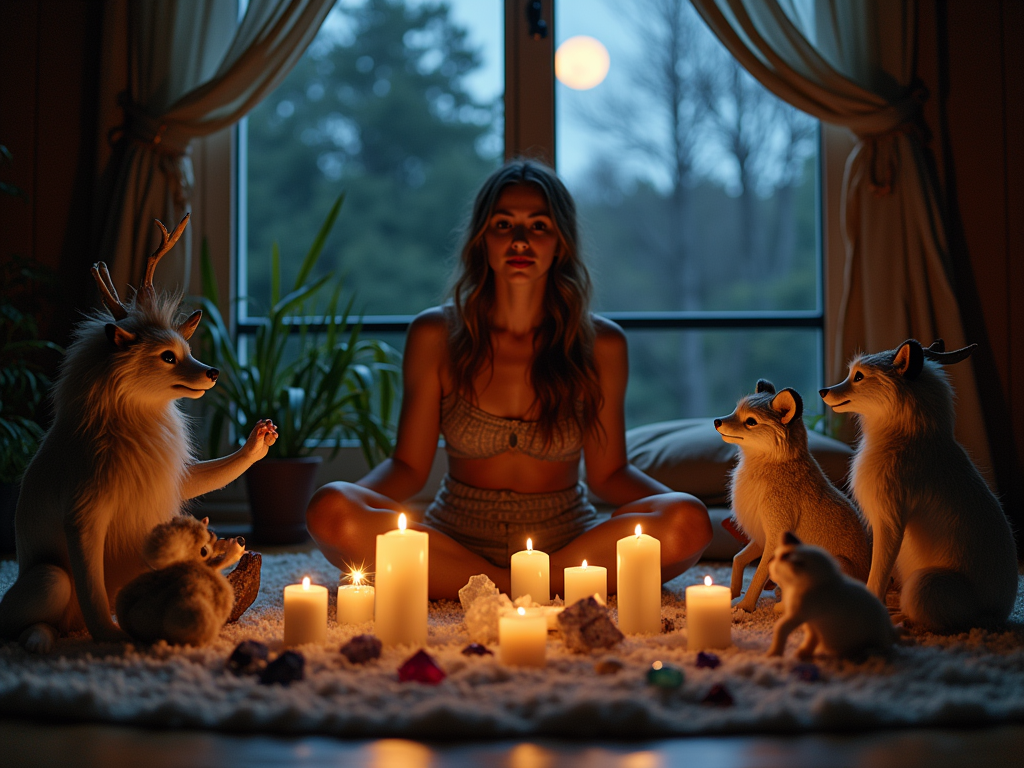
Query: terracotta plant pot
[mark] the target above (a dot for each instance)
(279, 491)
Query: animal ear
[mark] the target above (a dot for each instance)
(790, 538)
(909, 359)
(188, 327)
(205, 521)
(789, 403)
(118, 336)
(763, 385)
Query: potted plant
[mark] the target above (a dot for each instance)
(24, 372)
(311, 373)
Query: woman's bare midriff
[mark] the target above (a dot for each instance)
(515, 472)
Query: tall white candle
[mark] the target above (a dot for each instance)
(638, 572)
(708, 616)
(584, 581)
(355, 601)
(522, 638)
(305, 613)
(531, 574)
(400, 614)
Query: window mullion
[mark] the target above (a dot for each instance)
(529, 83)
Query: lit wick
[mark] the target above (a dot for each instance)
(305, 583)
(402, 522)
(638, 530)
(707, 581)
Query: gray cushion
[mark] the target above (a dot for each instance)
(689, 455)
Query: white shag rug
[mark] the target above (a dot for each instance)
(962, 680)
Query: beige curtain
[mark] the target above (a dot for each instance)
(194, 68)
(851, 63)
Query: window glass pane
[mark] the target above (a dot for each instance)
(691, 374)
(399, 105)
(697, 188)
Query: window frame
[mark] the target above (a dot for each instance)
(529, 131)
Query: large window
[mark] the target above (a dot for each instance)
(697, 189)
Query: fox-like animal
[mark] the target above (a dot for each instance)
(777, 486)
(839, 615)
(933, 519)
(115, 463)
(184, 599)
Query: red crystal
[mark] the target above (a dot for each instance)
(718, 696)
(421, 668)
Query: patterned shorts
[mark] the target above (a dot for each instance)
(495, 524)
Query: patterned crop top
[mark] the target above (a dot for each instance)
(471, 433)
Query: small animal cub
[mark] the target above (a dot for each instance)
(840, 616)
(185, 599)
(777, 486)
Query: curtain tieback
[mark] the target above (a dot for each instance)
(904, 118)
(172, 146)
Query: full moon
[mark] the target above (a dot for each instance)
(581, 62)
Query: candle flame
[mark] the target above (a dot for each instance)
(529, 545)
(305, 583)
(638, 530)
(522, 611)
(402, 522)
(707, 581)
(584, 563)
(357, 577)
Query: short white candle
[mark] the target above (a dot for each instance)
(531, 574)
(522, 638)
(355, 601)
(400, 613)
(638, 579)
(708, 616)
(585, 581)
(305, 613)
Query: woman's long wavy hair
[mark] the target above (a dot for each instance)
(563, 374)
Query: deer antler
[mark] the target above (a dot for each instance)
(110, 298)
(935, 353)
(167, 242)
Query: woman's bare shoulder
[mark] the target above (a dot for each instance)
(429, 327)
(609, 336)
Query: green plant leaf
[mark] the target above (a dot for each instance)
(318, 242)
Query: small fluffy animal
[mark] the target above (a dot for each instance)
(185, 599)
(840, 617)
(777, 486)
(932, 516)
(115, 463)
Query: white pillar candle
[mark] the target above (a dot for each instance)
(305, 613)
(355, 601)
(522, 638)
(638, 579)
(400, 614)
(531, 574)
(708, 616)
(584, 581)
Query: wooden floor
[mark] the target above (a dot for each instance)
(36, 745)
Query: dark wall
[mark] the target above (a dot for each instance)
(970, 59)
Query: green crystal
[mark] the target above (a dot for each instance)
(665, 676)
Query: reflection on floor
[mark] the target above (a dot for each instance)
(39, 745)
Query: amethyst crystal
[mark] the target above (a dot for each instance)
(249, 656)
(285, 669)
(475, 649)
(361, 649)
(708, 661)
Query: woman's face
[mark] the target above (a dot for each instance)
(520, 236)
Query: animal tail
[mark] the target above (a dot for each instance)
(944, 601)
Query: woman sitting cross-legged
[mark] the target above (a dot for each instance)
(520, 378)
